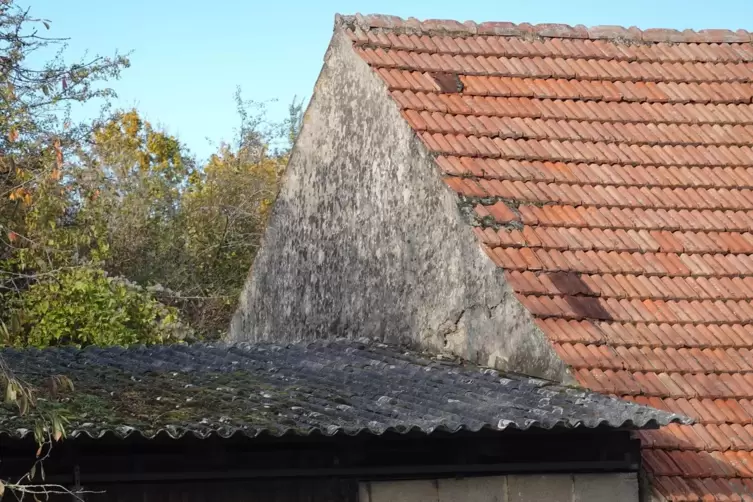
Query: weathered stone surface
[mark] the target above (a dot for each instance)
(366, 240)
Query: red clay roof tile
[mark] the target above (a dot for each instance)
(619, 168)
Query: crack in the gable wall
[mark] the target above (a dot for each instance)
(452, 329)
(452, 333)
(456, 335)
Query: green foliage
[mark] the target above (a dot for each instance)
(84, 307)
(110, 231)
(131, 179)
(187, 231)
(36, 132)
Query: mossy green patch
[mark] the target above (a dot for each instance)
(153, 401)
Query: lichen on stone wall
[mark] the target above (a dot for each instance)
(367, 240)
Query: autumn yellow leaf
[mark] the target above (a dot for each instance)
(58, 153)
(13, 135)
(20, 194)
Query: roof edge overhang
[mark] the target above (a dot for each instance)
(415, 456)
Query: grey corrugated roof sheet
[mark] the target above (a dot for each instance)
(325, 387)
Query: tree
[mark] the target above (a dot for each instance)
(36, 130)
(51, 246)
(44, 249)
(226, 208)
(132, 177)
(185, 232)
(110, 231)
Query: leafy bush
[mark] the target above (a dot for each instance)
(119, 197)
(83, 306)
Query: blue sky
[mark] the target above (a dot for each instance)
(189, 56)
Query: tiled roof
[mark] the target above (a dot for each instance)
(609, 171)
(323, 387)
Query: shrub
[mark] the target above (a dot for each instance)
(82, 306)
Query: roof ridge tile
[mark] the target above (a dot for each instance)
(620, 34)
